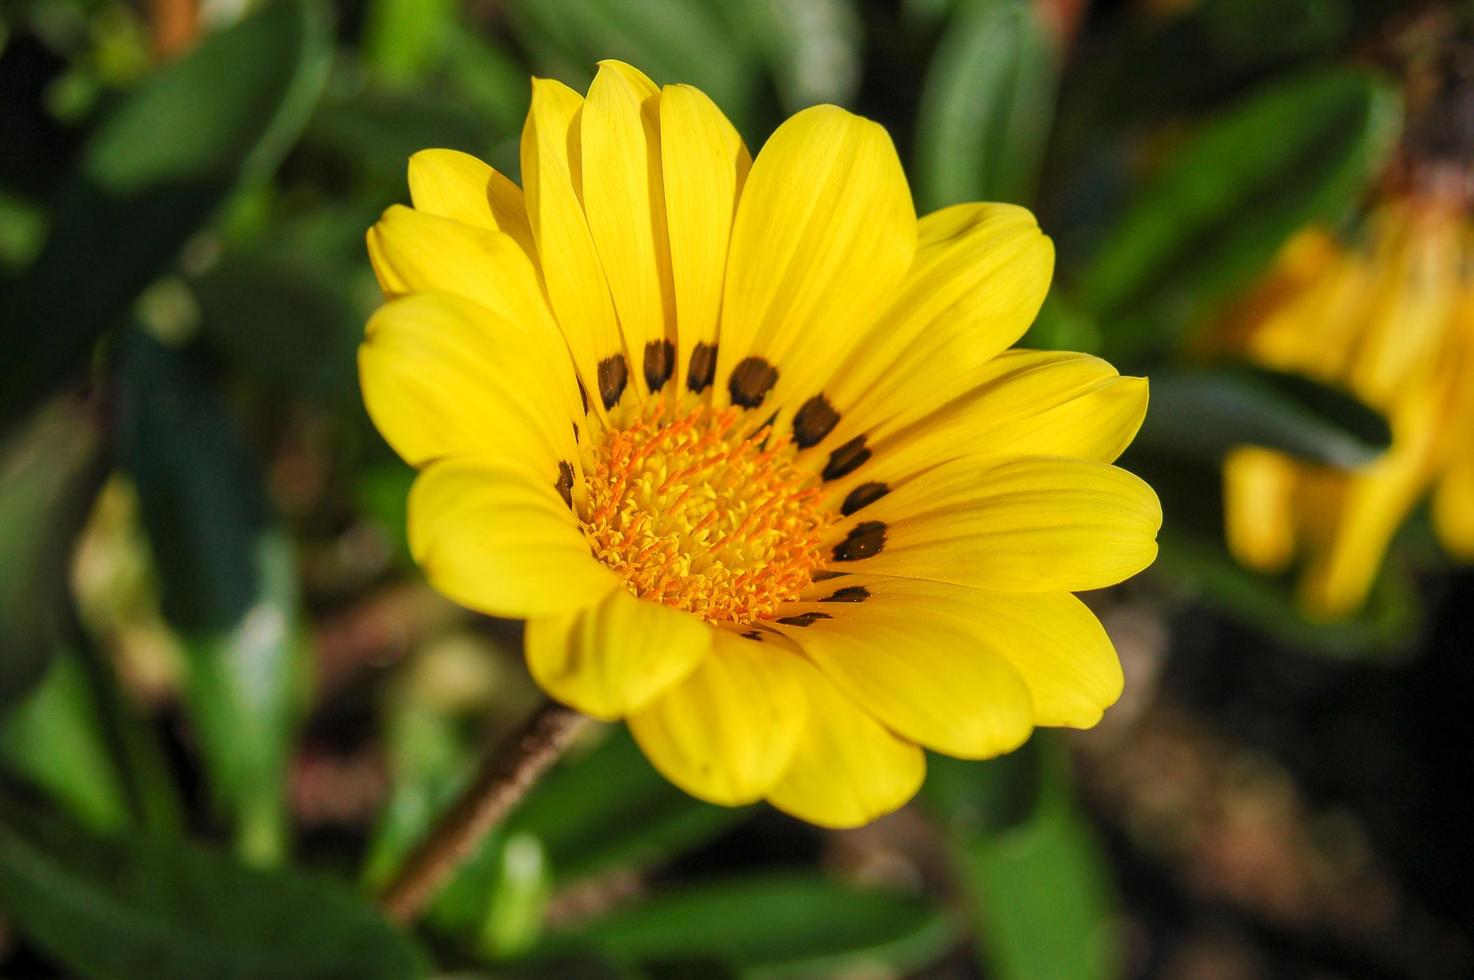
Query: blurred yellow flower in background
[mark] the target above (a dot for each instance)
(1388, 315)
(742, 441)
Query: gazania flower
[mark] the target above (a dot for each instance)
(1388, 315)
(741, 441)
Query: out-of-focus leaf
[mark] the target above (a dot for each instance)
(986, 108)
(1034, 877)
(812, 47)
(519, 897)
(402, 36)
(488, 77)
(1061, 326)
(1201, 568)
(1295, 153)
(150, 175)
(776, 923)
(603, 810)
(50, 473)
(1204, 413)
(670, 40)
(228, 578)
(140, 909)
(56, 741)
(377, 130)
(286, 320)
(1152, 65)
(610, 808)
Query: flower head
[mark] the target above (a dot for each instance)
(1389, 315)
(742, 441)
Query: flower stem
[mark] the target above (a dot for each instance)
(505, 776)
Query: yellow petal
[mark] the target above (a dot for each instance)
(452, 184)
(925, 677)
(1019, 403)
(726, 733)
(443, 376)
(1052, 640)
(1453, 507)
(496, 538)
(703, 164)
(824, 232)
(1259, 507)
(614, 657)
(553, 180)
(416, 251)
(980, 276)
(623, 196)
(848, 769)
(1026, 525)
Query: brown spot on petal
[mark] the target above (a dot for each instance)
(804, 619)
(751, 381)
(863, 496)
(850, 593)
(614, 374)
(865, 540)
(814, 420)
(703, 367)
(846, 459)
(660, 361)
(565, 482)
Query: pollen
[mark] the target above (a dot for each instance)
(696, 516)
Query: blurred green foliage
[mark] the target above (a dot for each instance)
(183, 289)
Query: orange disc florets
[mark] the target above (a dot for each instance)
(695, 516)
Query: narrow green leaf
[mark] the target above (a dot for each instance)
(1201, 569)
(812, 47)
(402, 37)
(55, 740)
(1297, 152)
(150, 175)
(788, 923)
(50, 473)
(1033, 876)
(141, 909)
(1204, 413)
(285, 319)
(611, 809)
(375, 130)
(604, 810)
(228, 577)
(670, 40)
(985, 111)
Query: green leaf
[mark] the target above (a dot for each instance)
(401, 37)
(670, 40)
(611, 809)
(50, 473)
(228, 578)
(985, 111)
(152, 173)
(141, 909)
(1033, 876)
(55, 740)
(285, 319)
(788, 923)
(376, 130)
(1295, 153)
(1204, 413)
(812, 47)
(1201, 569)
(603, 810)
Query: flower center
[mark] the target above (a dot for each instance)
(696, 517)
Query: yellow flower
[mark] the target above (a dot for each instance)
(740, 439)
(1390, 318)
